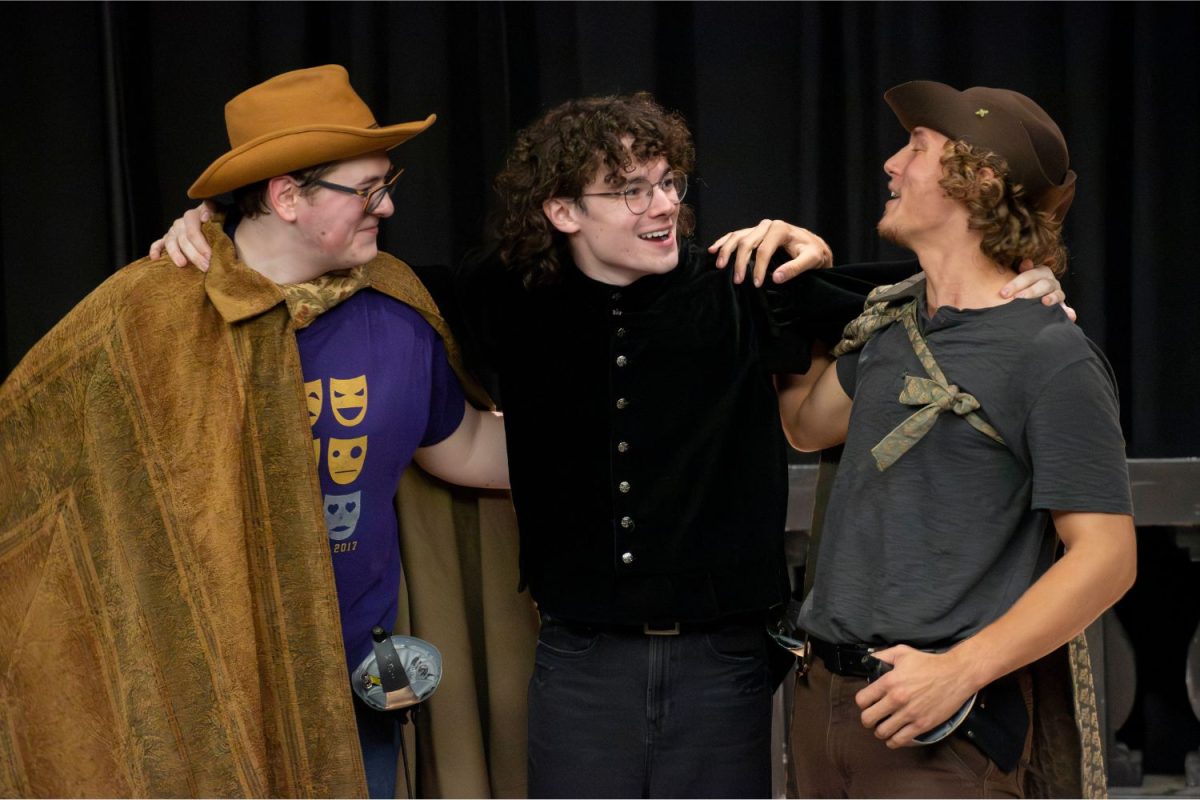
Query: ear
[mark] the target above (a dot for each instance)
(562, 214)
(283, 195)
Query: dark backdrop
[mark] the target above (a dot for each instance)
(111, 110)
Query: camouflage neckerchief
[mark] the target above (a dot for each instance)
(882, 308)
(306, 301)
(935, 395)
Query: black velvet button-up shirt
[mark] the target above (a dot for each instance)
(646, 455)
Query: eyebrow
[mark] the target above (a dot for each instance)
(647, 179)
(621, 180)
(373, 179)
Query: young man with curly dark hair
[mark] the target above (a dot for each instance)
(648, 466)
(937, 585)
(558, 158)
(646, 456)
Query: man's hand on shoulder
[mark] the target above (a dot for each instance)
(807, 250)
(1034, 282)
(184, 242)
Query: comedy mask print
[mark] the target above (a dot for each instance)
(348, 400)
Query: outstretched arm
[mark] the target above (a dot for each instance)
(924, 689)
(809, 251)
(474, 455)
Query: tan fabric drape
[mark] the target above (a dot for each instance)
(460, 560)
(168, 618)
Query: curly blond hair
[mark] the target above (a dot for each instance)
(1013, 229)
(559, 154)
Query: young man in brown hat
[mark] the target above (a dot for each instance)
(185, 453)
(936, 581)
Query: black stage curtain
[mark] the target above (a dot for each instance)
(111, 110)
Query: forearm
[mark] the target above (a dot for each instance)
(474, 455)
(1093, 574)
(485, 463)
(925, 688)
(814, 410)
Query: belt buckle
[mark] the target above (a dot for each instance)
(846, 663)
(660, 630)
(853, 660)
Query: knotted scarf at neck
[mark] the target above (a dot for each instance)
(306, 301)
(934, 395)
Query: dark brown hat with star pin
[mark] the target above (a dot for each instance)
(1006, 122)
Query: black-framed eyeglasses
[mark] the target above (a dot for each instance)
(639, 192)
(371, 197)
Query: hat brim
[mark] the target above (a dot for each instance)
(281, 152)
(924, 104)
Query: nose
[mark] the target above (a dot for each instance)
(891, 167)
(660, 203)
(385, 208)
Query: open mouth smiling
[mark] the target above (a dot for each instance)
(655, 236)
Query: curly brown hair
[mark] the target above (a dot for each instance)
(559, 154)
(1013, 229)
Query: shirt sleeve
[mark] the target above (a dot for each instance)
(1076, 447)
(483, 303)
(814, 305)
(446, 400)
(847, 372)
(819, 303)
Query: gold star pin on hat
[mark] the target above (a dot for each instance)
(981, 113)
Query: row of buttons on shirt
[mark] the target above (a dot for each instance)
(622, 403)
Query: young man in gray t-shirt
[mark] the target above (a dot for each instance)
(969, 423)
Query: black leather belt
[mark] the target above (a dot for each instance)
(847, 660)
(657, 628)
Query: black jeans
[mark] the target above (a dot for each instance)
(633, 715)
(379, 736)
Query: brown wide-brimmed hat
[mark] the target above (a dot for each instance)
(295, 120)
(1006, 122)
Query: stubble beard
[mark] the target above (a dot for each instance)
(890, 233)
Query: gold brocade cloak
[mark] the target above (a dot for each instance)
(168, 618)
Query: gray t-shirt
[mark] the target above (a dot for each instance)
(952, 534)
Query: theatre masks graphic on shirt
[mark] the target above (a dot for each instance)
(313, 396)
(345, 458)
(341, 514)
(348, 400)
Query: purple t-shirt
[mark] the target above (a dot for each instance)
(378, 387)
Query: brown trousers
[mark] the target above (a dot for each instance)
(833, 755)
